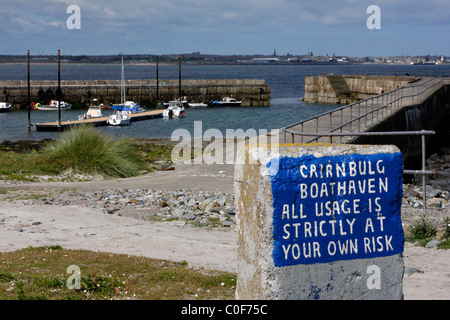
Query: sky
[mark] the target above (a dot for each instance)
(225, 27)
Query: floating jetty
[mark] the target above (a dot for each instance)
(97, 122)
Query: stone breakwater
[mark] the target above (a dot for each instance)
(252, 92)
(180, 207)
(346, 89)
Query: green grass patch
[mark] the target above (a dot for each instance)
(444, 245)
(424, 231)
(87, 150)
(83, 150)
(421, 231)
(16, 166)
(446, 234)
(41, 273)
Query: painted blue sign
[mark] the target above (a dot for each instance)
(337, 208)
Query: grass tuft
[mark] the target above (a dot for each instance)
(421, 231)
(86, 150)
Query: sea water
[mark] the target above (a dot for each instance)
(286, 81)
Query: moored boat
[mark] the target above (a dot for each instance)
(5, 107)
(197, 105)
(94, 111)
(182, 100)
(131, 106)
(54, 105)
(124, 104)
(120, 118)
(174, 110)
(226, 102)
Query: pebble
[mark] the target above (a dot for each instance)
(432, 244)
(435, 198)
(199, 209)
(437, 185)
(216, 209)
(410, 271)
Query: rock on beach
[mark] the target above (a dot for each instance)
(199, 209)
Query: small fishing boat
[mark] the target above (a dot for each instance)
(125, 105)
(5, 107)
(197, 105)
(182, 100)
(175, 110)
(226, 102)
(54, 105)
(120, 118)
(131, 106)
(94, 111)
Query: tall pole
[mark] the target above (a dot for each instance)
(157, 82)
(122, 99)
(29, 93)
(59, 91)
(179, 76)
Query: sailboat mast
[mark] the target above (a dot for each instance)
(123, 84)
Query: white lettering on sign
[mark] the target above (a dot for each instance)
(333, 209)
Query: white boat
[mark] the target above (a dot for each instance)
(120, 118)
(5, 107)
(226, 102)
(183, 101)
(197, 105)
(94, 111)
(175, 110)
(126, 105)
(54, 105)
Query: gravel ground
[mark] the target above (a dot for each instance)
(184, 214)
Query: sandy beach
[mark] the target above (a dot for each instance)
(27, 223)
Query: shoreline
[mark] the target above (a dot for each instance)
(34, 63)
(175, 63)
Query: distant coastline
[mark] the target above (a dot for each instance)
(79, 63)
(213, 63)
(196, 58)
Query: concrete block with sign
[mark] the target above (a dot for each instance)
(319, 222)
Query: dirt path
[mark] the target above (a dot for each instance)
(194, 177)
(74, 227)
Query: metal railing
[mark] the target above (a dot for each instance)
(442, 71)
(424, 172)
(365, 112)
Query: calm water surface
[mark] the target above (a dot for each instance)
(287, 83)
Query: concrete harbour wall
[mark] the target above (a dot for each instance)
(431, 114)
(252, 92)
(347, 89)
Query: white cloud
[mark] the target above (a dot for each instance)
(21, 22)
(173, 24)
(58, 24)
